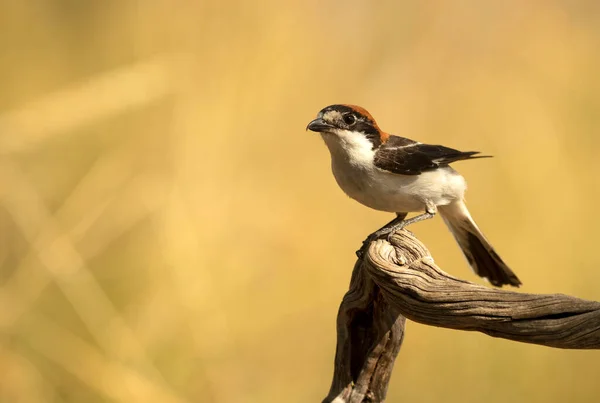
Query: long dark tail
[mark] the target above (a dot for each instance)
(479, 253)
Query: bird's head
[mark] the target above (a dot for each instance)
(347, 124)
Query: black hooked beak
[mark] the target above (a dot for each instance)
(319, 125)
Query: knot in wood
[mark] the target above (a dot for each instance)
(408, 248)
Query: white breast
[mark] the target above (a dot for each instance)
(352, 158)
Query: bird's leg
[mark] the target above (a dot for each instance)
(396, 225)
(430, 211)
(381, 231)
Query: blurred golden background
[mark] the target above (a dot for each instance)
(170, 232)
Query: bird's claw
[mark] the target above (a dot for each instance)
(389, 234)
(393, 232)
(361, 252)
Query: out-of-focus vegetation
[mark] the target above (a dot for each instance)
(170, 233)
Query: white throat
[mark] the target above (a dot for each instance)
(350, 147)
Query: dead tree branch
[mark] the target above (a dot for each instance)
(401, 280)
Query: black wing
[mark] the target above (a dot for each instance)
(408, 157)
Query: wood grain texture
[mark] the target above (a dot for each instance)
(369, 336)
(399, 280)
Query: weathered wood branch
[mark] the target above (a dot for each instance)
(370, 333)
(401, 280)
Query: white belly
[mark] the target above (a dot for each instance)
(352, 164)
(381, 190)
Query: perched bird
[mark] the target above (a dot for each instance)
(399, 175)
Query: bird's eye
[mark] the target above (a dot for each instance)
(349, 119)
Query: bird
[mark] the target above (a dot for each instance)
(399, 175)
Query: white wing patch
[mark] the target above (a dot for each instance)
(416, 143)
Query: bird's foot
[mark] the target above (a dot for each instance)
(394, 226)
(361, 252)
(387, 232)
(392, 231)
